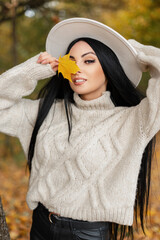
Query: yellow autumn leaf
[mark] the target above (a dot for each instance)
(67, 66)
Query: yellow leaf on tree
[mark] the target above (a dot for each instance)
(67, 66)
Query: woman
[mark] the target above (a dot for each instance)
(89, 141)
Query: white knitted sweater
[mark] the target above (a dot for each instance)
(93, 177)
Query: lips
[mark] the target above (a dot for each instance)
(79, 81)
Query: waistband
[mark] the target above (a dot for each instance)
(75, 223)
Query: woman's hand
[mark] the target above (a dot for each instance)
(46, 58)
(148, 57)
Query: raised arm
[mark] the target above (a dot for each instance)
(149, 60)
(16, 83)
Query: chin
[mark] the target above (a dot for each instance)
(81, 91)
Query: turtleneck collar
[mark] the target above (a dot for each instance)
(102, 102)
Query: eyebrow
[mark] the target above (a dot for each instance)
(84, 54)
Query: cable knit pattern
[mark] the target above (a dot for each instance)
(94, 176)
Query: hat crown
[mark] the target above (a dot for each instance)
(63, 33)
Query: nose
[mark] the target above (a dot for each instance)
(78, 63)
(79, 71)
(73, 75)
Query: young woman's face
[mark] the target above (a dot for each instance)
(90, 81)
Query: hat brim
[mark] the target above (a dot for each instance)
(63, 33)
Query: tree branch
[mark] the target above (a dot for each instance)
(4, 233)
(22, 6)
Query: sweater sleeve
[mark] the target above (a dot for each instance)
(16, 83)
(149, 108)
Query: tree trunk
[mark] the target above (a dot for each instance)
(4, 233)
(14, 36)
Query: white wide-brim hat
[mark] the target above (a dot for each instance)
(63, 33)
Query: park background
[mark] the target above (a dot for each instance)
(24, 25)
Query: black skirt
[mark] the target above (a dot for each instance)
(63, 228)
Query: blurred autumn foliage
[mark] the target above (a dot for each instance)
(24, 25)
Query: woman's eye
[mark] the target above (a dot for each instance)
(89, 61)
(72, 59)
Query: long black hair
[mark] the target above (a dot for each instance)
(123, 93)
